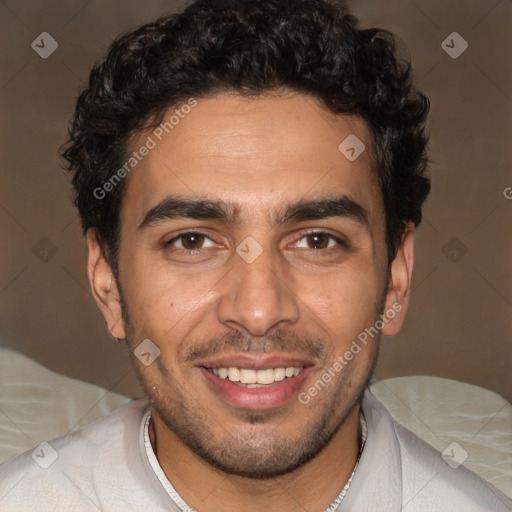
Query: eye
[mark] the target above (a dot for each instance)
(191, 241)
(319, 240)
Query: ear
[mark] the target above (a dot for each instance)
(104, 287)
(399, 285)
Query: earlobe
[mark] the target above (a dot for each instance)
(104, 287)
(399, 286)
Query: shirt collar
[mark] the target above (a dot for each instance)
(180, 502)
(377, 485)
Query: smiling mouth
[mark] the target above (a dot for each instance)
(250, 378)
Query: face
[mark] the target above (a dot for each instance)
(252, 255)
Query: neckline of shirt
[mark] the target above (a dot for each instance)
(180, 502)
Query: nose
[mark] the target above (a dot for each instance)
(258, 296)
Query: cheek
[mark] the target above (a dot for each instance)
(165, 302)
(344, 303)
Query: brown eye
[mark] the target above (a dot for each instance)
(192, 241)
(318, 240)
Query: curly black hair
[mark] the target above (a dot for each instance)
(313, 47)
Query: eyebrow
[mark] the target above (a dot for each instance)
(174, 207)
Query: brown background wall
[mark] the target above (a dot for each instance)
(460, 321)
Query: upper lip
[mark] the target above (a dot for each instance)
(255, 362)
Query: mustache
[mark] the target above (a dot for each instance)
(236, 342)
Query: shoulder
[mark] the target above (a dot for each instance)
(73, 468)
(431, 481)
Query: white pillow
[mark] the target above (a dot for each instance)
(37, 404)
(443, 411)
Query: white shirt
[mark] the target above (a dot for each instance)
(171, 491)
(106, 466)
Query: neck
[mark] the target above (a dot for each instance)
(313, 486)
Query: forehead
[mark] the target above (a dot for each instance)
(253, 152)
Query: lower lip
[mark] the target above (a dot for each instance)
(256, 398)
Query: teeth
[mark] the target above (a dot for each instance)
(265, 376)
(248, 376)
(233, 374)
(279, 374)
(256, 378)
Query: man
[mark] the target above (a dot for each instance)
(249, 176)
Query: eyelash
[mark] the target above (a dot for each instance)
(339, 241)
(182, 235)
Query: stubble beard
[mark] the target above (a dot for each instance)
(265, 455)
